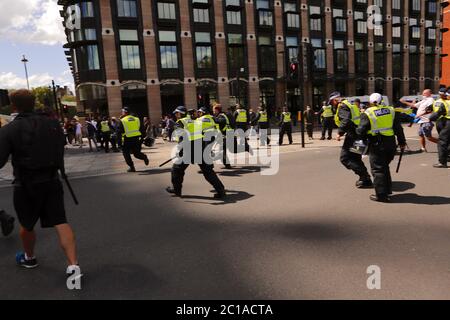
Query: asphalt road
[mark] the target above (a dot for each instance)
(305, 233)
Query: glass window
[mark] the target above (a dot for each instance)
(265, 18)
(167, 36)
(166, 11)
(87, 9)
(315, 24)
(290, 7)
(415, 5)
(293, 20)
(128, 35)
(264, 40)
(432, 7)
(234, 17)
(234, 38)
(92, 55)
(339, 44)
(130, 57)
(236, 57)
(233, 2)
(201, 15)
(267, 58)
(396, 31)
(204, 37)
(204, 57)
(262, 4)
(396, 4)
(169, 57)
(90, 34)
(126, 8)
(291, 41)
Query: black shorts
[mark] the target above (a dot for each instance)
(43, 201)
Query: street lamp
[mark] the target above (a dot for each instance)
(24, 60)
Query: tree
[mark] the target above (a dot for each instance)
(44, 97)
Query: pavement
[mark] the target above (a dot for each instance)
(304, 233)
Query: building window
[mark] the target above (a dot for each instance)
(340, 56)
(415, 29)
(397, 61)
(235, 51)
(396, 4)
(201, 15)
(361, 59)
(340, 23)
(203, 50)
(126, 8)
(432, 7)
(129, 49)
(87, 9)
(378, 3)
(290, 7)
(166, 11)
(265, 18)
(266, 54)
(361, 23)
(234, 17)
(292, 48)
(319, 54)
(168, 49)
(262, 4)
(315, 24)
(92, 58)
(396, 31)
(293, 20)
(235, 3)
(380, 59)
(90, 34)
(415, 5)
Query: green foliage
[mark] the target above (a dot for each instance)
(69, 99)
(6, 110)
(44, 97)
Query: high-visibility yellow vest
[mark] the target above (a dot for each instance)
(287, 117)
(227, 126)
(381, 120)
(131, 126)
(263, 117)
(356, 113)
(104, 126)
(436, 107)
(407, 111)
(327, 112)
(242, 116)
(192, 127)
(208, 123)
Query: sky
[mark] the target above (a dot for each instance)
(32, 28)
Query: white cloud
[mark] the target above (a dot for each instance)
(35, 21)
(9, 80)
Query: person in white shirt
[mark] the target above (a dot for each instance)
(79, 134)
(424, 108)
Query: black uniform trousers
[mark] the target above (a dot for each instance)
(106, 137)
(264, 132)
(132, 146)
(243, 127)
(440, 124)
(327, 125)
(382, 152)
(286, 128)
(353, 161)
(179, 169)
(443, 144)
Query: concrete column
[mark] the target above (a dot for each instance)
(388, 36)
(351, 88)
(371, 57)
(422, 47)
(307, 87)
(252, 52)
(223, 86)
(281, 57)
(405, 55)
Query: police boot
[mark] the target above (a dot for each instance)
(220, 194)
(173, 191)
(131, 169)
(7, 223)
(380, 198)
(440, 166)
(363, 183)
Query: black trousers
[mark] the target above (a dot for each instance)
(443, 145)
(106, 137)
(132, 146)
(353, 161)
(381, 154)
(264, 132)
(327, 125)
(285, 129)
(178, 172)
(440, 124)
(243, 127)
(310, 129)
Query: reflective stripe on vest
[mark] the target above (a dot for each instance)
(436, 107)
(105, 126)
(227, 125)
(286, 117)
(327, 112)
(407, 111)
(242, 116)
(356, 113)
(263, 116)
(381, 120)
(131, 126)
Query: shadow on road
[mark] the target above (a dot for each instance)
(154, 171)
(402, 186)
(232, 197)
(417, 199)
(240, 171)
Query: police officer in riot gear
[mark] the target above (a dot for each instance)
(380, 126)
(347, 119)
(193, 130)
(131, 130)
(442, 112)
(223, 123)
(285, 126)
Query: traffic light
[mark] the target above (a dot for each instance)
(293, 70)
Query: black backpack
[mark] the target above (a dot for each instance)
(41, 145)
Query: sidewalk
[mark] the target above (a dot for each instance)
(81, 163)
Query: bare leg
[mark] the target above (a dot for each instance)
(67, 242)
(433, 139)
(28, 241)
(423, 142)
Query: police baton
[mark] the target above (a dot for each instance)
(402, 151)
(69, 186)
(166, 162)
